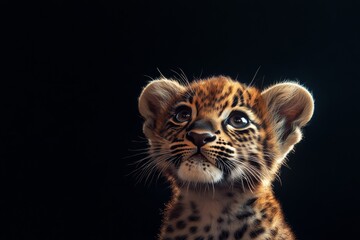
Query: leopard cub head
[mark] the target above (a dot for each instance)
(218, 131)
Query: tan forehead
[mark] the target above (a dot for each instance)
(219, 90)
(216, 84)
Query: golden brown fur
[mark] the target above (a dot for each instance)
(221, 144)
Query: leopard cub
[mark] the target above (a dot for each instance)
(220, 144)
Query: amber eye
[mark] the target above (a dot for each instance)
(182, 114)
(238, 120)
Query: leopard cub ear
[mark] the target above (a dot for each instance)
(291, 107)
(155, 98)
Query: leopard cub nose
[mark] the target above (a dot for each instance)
(200, 139)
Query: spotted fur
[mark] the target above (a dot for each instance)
(221, 143)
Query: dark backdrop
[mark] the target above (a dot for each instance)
(71, 75)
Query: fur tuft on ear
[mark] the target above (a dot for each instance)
(155, 97)
(291, 106)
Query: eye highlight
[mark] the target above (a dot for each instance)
(238, 119)
(182, 114)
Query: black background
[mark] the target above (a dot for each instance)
(70, 77)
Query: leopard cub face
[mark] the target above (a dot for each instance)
(220, 132)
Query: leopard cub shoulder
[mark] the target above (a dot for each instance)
(220, 144)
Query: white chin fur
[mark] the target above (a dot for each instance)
(193, 171)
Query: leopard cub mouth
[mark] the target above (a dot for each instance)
(197, 168)
(198, 157)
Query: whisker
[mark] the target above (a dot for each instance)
(252, 80)
(161, 75)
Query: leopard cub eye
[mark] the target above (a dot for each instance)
(238, 119)
(182, 114)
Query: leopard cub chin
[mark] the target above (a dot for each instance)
(198, 169)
